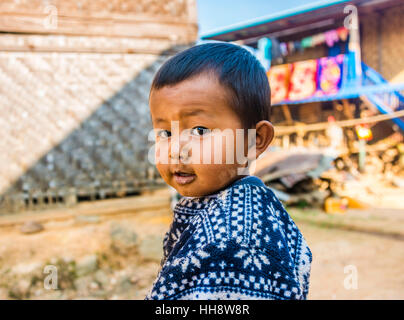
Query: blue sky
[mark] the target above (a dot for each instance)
(213, 14)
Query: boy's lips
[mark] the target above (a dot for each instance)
(182, 177)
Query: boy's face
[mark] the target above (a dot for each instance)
(200, 105)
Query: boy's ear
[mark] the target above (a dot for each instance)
(264, 135)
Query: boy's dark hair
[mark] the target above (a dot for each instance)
(237, 69)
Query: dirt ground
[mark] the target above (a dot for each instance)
(116, 255)
(377, 260)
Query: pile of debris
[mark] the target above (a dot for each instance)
(296, 176)
(317, 177)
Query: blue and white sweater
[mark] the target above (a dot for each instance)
(239, 243)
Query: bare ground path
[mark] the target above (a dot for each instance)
(371, 241)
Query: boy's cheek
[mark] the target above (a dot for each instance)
(215, 150)
(161, 155)
(164, 170)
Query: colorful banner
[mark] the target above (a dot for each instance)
(303, 82)
(329, 75)
(279, 77)
(304, 79)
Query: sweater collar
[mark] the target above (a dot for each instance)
(188, 206)
(249, 180)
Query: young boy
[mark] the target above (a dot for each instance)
(231, 238)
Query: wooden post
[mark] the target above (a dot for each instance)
(362, 155)
(285, 141)
(347, 109)
(286, 113)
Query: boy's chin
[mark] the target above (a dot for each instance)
(188, 191)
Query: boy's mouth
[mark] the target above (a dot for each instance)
(182, 177)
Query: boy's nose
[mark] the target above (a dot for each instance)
(177, 151)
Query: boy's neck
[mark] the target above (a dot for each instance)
(213, 195)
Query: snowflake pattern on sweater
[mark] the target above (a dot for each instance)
(237, 244)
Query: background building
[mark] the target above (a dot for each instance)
(379, 45)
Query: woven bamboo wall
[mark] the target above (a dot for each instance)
(393, 42)
(370, 37)
(74, 99)
(382, 40)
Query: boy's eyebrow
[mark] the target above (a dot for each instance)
(193, 112)
(185, 113)
(157, 120)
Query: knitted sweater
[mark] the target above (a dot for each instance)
(239, 243)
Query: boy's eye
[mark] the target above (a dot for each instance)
(199, 131)
(164, 133)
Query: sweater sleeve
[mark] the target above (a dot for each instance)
(226, 270)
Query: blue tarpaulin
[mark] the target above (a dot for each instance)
(353, 91)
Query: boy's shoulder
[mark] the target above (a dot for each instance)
(252, 214)
(247, 211)
(249, 215)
